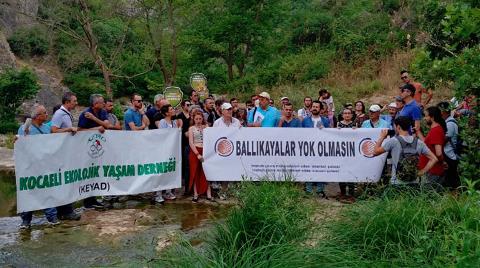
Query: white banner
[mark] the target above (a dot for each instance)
(304, 154)
(58, 169)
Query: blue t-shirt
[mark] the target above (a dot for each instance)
(34, 130)
(151, 116)
(380, 124)
(308, 122)
(295, 122)
(86, 123)
(389, 120)
(412, 111)
(269, 117)
(134, 116)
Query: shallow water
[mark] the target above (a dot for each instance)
(132, 234)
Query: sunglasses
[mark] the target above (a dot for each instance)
(138, 100)
(404, 77)
(187, 104)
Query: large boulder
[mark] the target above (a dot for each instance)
(7, 59)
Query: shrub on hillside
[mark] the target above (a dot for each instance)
(307, 65)
(84, 86)
(29, 42)
(15, 87)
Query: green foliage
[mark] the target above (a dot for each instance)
(29, 42)
(265, 230)
(304, 66)
(451, 59)
(84, 86)
(15, 87)
(470, 159)
(118, 111)
(408, 228)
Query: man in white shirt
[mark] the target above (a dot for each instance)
(227, 119)
(307, 106)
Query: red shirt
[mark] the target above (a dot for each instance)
(436, 136)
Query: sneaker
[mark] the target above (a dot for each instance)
(195, 199)
(54, 221)
(70, 217)
(25, 225)
(159, 199)
(170, 196)
(95, 205)
(222, 196)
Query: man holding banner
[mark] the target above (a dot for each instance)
(37, 127)
(94, 117)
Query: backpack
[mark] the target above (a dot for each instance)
(458, 147)
(407, 164)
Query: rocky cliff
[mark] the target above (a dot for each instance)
(16, 14)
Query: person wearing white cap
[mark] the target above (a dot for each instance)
(375, 121)
(264, 115)
(392, 113)
(227, 119)
(284, 100)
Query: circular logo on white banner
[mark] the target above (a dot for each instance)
(224, 147)
(367, 147)
(96, 145)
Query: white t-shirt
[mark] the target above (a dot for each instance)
(220, 123)
(317, 122)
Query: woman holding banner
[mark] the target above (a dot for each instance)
(167, 122)
(195, 138)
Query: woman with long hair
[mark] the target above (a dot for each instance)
(435, 140)
(197, 181)
(359, 115)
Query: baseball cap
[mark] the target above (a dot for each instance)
(375, 108)
(392, 105)
(284, 98)
(264, 95)
(226, 106)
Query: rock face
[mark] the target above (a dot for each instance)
(7, 59)
(16, 14)
(50, 93)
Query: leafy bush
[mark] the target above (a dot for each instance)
(84, 86)
(8, 126)
(307, 65)
(29, 42)
(15, 88)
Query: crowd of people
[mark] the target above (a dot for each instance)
(414, 154)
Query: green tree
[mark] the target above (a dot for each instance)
(15, 88)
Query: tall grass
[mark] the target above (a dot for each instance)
(401, 228)
(409, 228)
(265, 230)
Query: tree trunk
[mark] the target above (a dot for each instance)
(229, 60)
(174, 40)
(91, 43)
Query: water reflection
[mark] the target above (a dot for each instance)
(7, 194)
